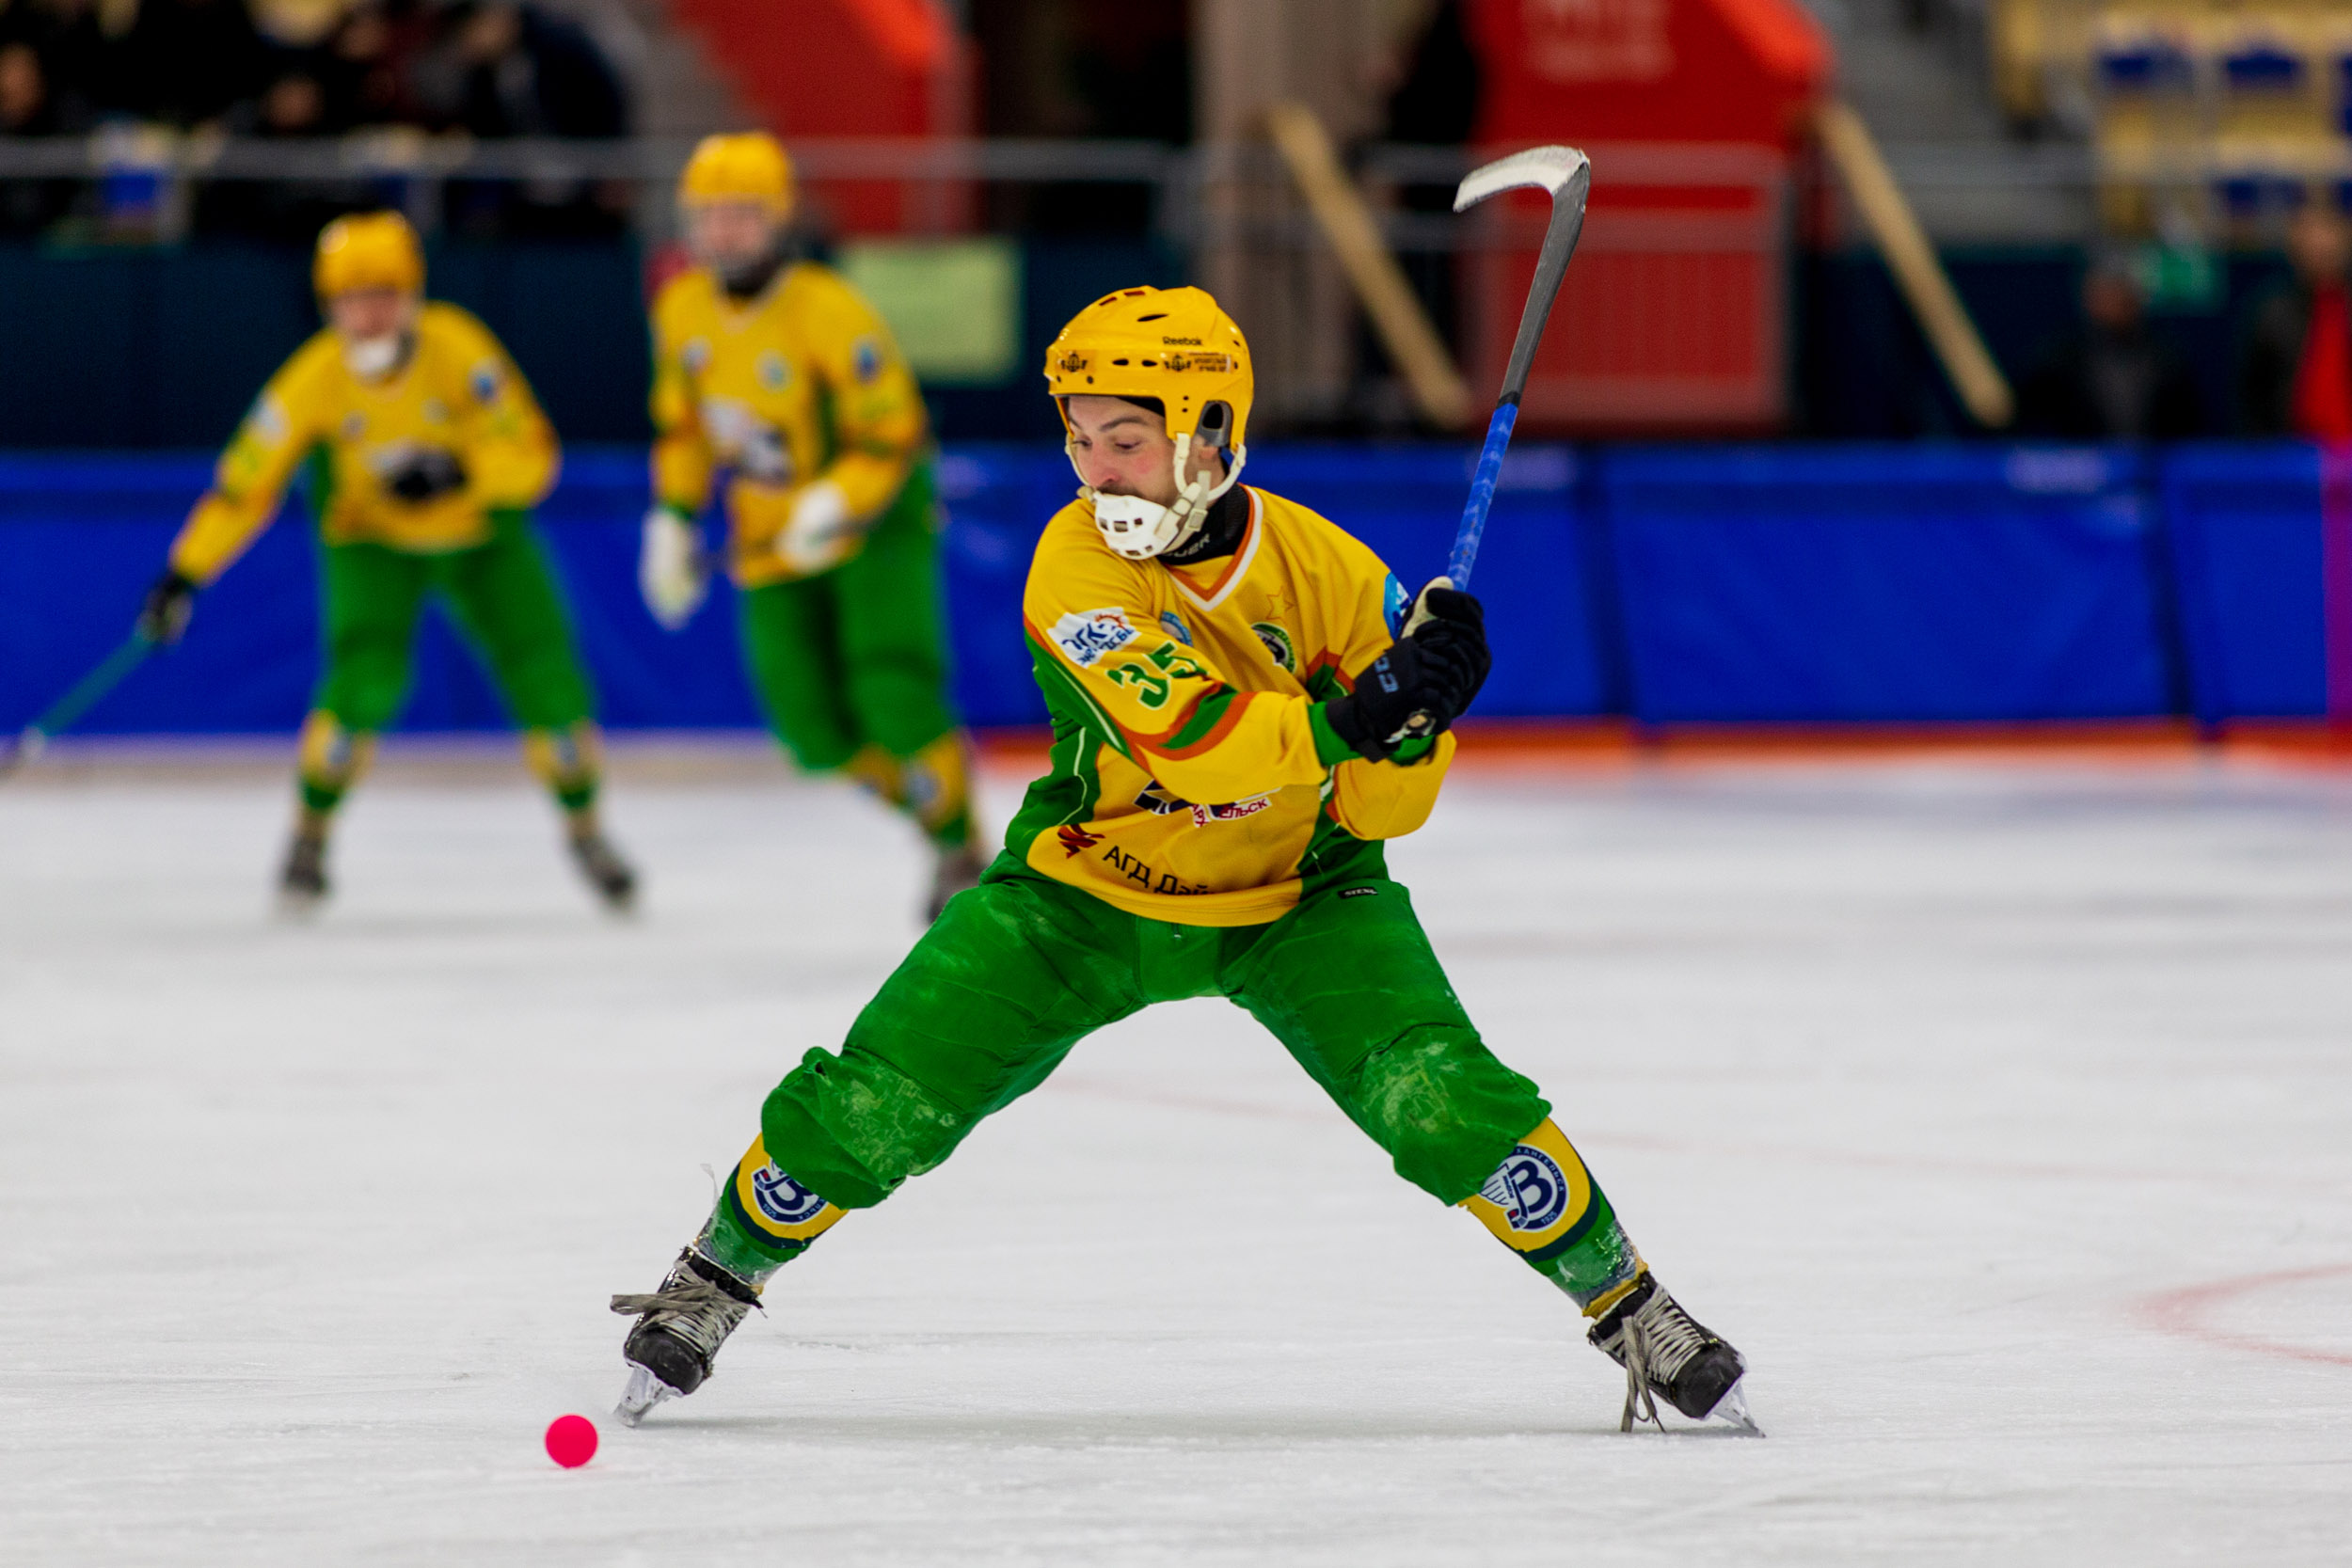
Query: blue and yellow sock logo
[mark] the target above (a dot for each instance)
(776, 1207)
(1539, 1202)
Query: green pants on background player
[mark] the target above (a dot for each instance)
(504, 600)
(851, 668)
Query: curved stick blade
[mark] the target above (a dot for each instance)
(1546, 168)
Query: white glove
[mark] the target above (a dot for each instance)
(670, 571)
(821, 533)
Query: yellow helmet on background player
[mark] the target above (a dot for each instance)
(1180, 349)
(749, 165)
(368, 250)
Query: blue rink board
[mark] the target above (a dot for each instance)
(82, 537)
(1818, 585)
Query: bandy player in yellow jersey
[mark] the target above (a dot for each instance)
(777, 374)
(425, 453)
(1231, 678)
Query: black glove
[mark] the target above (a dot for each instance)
(1453, 644)
(163, 618)
(424, 474)
(1389, 690)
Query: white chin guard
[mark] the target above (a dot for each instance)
(1139, 529)
(373, 358)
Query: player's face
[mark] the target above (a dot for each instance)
(364, 315)
(726, 235)
(1126, 451)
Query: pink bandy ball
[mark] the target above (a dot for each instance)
(571, 1441)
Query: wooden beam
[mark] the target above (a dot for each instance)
(1917, 272)
(1346, 221)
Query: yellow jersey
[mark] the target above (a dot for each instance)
(801, 383)
(458, 391)
(1195, 778)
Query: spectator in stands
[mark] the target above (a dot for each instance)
(29, 108)
(508, 70)
(73, 54)
(188, 62)
(2295, 377)
(2115, 380)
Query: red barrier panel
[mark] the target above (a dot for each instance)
(850, 68)
(1672, 318)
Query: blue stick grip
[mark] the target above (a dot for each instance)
(1482, 494)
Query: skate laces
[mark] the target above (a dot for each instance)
(701, 1313)
(1657, 1339)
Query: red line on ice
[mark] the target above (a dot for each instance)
(2183, 1313)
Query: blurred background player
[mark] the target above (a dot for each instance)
(1211, 826)
(776, 371)
(425, 453)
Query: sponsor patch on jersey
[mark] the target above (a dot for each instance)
(865, 359)
(1159, 803)
(1395, 603)
(774, 371)
(1232, 811)
(1278, 644)
(1528, 1187)
(695, 356)
(1087, 634)
(1174, 626)
(1075, 840)
(484, 382)
(783, 1199)
(1359, 893)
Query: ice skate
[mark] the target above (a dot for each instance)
(302, 882)
(678, 1332)
(1665, 1353)
(614, 878)
(956, 869)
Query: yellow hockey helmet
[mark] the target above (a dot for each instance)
(1178, 347)
(751, 166)
(368, 250)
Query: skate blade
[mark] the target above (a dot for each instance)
(644, 1392)
(1732, 1410)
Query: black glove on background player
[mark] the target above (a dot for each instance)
(163, 618)
(1435, 668)
(426, 474)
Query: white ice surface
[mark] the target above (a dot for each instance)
(2000, 1114)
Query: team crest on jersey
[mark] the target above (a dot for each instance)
(268, 420)
(1394, 603)
(695, 356)
(866, 358)
(1278, 644)
(1174, 626)
(1529, 1188)
(773, 373)
(484, 382)
(1086, 635)
(783, 1200)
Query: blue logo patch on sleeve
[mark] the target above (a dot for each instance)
(1398, 603)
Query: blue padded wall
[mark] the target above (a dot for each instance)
(1905, 583)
